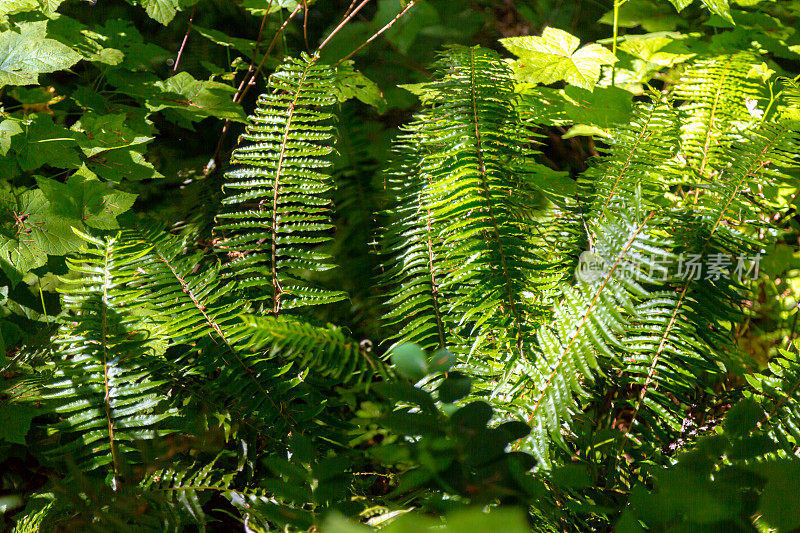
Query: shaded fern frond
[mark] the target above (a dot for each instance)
(415, 267)
(278, 207)
(590, 320)
(777, 389)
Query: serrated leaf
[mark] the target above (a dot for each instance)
(603, 107)
(47, 143)
(123, 164)
(193, 100)
(29, 232)
(86, 199)
(350, 83)
(26, 53)
(555, 57)
(106, 132)
(164, 10)
(8, 128)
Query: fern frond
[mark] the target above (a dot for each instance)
(278, 207)
(714, 91)
(468, 139)
(104, 387)
(777, 390)
(326, 351)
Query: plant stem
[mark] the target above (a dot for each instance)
(614, 42)
(378, 33)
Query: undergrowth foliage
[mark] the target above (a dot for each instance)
(567, 342)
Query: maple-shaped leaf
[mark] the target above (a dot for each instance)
(123, 164)
(86, 199)
(556, 56)
(45, 142)
(193, 100)
(29, 232)
(26, 52)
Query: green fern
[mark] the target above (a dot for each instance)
(278, 208)
(104, 386)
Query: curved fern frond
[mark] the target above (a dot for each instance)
(278, 208)
(326, 351)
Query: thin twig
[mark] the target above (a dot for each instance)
(342, 24)
(305, 23)
(379, 32)
(183, 44)
(244, 87)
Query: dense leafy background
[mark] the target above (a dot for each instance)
(119, 119)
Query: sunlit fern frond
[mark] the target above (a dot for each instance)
(105, 388)
(277, 208)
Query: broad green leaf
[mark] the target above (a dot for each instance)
(719, 7)
(47, 143)
(122, 35)
(410, 361)
(106, 132)
(603, 107)
(29, 232)
(26, 53)
(193, 100)
(16, 421)
(663, 50)
(652, 15)
(164, 10)
(86, 199)
(245, 46)
(555, 56)
(123, 164)
(12, 7)
(350, 83)
(8, 128)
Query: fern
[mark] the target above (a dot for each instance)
(468, 139)
(104, 387)
(278, 208)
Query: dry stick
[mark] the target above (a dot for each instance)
(183, 44)
(342, 24)
(379, 33)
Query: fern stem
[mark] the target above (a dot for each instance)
(104, 340)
